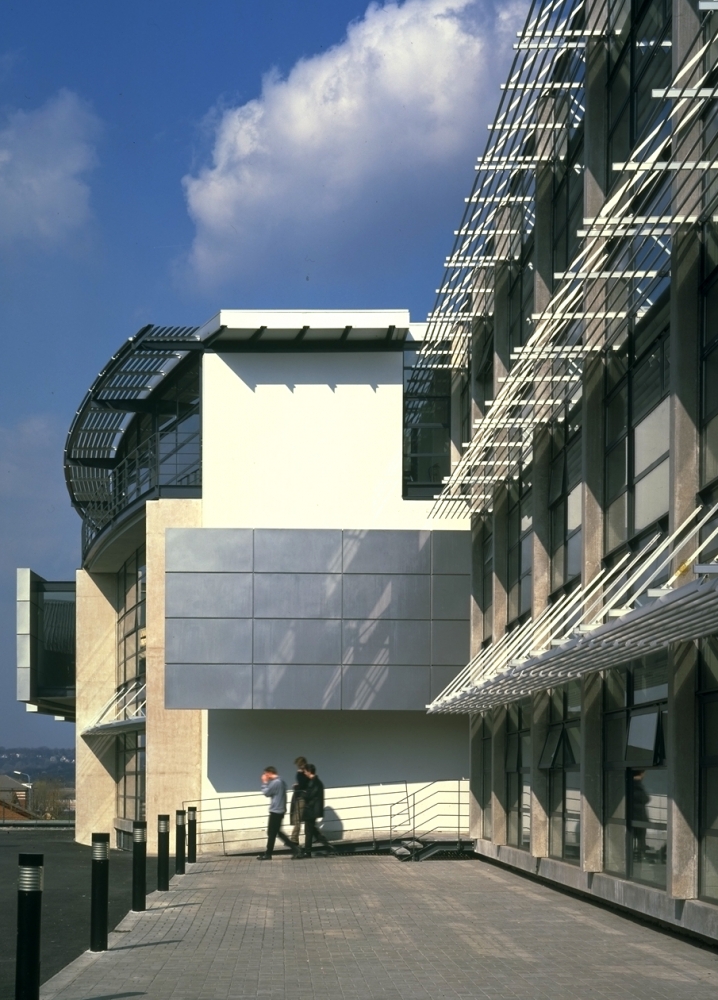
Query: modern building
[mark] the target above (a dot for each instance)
(537, 564)
(254, 582)
(580, 303)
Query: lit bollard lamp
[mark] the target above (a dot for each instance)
(100, 891)
(163, 852)
(192, 834)
(180, 832)
(29, 911)
(139, 864)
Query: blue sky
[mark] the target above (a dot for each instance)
(162, 159)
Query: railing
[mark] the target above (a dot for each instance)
(368, 815)
(438, 811)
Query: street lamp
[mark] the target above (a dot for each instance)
(28, 785)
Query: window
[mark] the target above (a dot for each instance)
(637, 435)
(521, 298)
(487, 578)
(518, 773)
(131, 624)
(427, 425)
(520, 547)
(131, 776)
(635, 776)
(568, 204)
(709, 356)
(486, 779)
(708, 700)
(639, 54)
(565, 499)
(561, 756)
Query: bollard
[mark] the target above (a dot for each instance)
(192, 834)
(139, 864)
(179, 842)
(29, 911)
(100, 891)
(163, 852)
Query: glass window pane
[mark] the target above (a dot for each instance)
(649, 815)
(650, 678)
(572, 745)
(616, 523)
(615, 829)
(616, 470)
(651, 437)
(614, 738)
(512, 788)
(556, 800)
(709, 661)
(648, 383)
(573, 508)
(710, 450)
(512, 753)
(557, 478)
(525, 750)
(617, 416)
(525, 604)
(641, 741)
(710, 728)
(574, 555)
(710, 380)
(526, 811)
(573, 462)
(572, 828)
(614, 690)
(548, 753)
(651, 496)
(573, 699)
(709, 866)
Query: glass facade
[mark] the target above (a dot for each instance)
(131, 672)
(486, 779)
(635, 776)
(637, 435)
(521, 298)
(565, 499)
(518, 774)
(131, 768)
(708, 710)
(561, 756)
(427, 427)
(520, 547)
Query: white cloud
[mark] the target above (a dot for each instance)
(44, 157)
(354, 143)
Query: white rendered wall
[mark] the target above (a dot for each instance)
(306, 441)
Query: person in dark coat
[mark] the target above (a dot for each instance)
(296, 810)
(313, 811)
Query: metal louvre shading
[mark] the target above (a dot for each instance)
(621, 613)
(664, 190)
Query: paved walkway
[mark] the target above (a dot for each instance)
(375, 929)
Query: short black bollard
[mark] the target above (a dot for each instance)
(29, 911)
(180, 842)
(139, 864)
(163, 852)
(100, 891)
(192, 834)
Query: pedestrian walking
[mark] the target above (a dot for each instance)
(296, 810)
(314, 811)
(276, 791)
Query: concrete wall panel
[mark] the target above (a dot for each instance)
(208, 640)
(208, 550)
(386, 596)
(297, 595)
(208, 595)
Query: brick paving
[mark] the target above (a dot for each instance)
(373, 928)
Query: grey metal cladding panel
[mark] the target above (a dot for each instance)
(208, 550)
(297, 595)
(290, 550)
(440, 677)
(381, 687)
(387, 551)
(297, 687)
(297, 640)
(202, 685)
(208, 595)
(24, 684)
(383, 641)
(451, 551)
(386, 596)
(450, 643)
(450, 597)
(208, 640)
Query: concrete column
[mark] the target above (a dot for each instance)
(175, 763)
(501, 527)
(540, 704)
(593, 451)
(541, 521)
(682, 750)
(498, 772)
(475, 774)
(96, 668)
(591, 773)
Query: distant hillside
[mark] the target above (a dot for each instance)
(49, 763)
